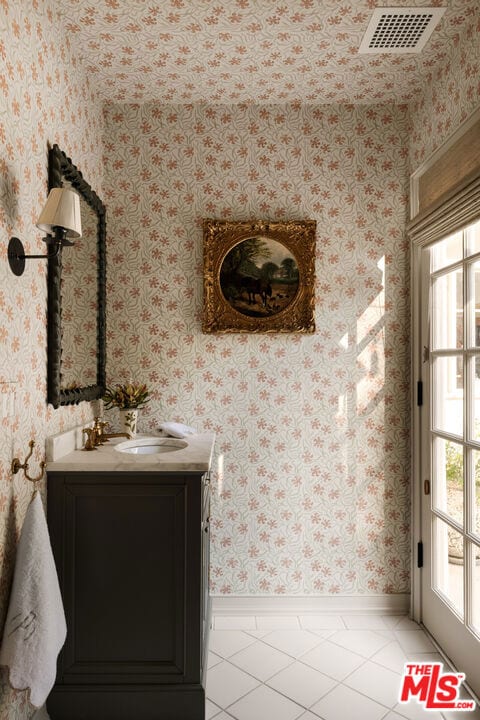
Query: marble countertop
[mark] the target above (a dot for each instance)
(195, 457)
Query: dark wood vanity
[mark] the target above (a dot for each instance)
(131, 549)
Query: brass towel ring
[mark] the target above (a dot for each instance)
(17, 465)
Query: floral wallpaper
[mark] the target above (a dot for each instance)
(451, 94)
(45, 97)
(313, 431)
(312, 469)
(260, 51)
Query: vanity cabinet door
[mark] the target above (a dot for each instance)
(128, 549)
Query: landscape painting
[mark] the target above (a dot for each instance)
(259, 276)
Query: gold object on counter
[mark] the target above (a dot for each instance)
(91, 441)
(96, 435)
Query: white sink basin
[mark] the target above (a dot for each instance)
(150, 445)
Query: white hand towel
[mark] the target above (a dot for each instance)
(41, 714)
(35, 628)
(177, 430)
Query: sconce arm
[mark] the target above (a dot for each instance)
(16, 251)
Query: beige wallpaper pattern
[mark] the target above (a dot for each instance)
(44, 98)
(312, 430)
(451, 94)
(258, 51)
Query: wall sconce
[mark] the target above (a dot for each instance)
(60, 218)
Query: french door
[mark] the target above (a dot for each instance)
(449, 318)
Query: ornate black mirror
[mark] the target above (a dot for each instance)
(76, 297)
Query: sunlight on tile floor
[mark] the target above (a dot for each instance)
(332, 667)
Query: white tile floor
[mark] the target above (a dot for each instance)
(328, 667)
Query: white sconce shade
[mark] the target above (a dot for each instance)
(62, 210)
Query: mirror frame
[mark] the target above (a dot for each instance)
(61, 168)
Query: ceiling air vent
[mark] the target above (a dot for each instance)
(400, 30)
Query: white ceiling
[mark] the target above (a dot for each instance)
(244, 51)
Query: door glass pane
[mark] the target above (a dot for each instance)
(448, 394)
(448, 556)
(448, 478)
(474, 305)
(472, 234)
(447, 311)
(447, 251)
(476, 492)
(474, 385)
(475, 550)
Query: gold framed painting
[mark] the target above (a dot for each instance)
(259, 276)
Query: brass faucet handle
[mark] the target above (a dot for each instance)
(99, 427)
(91, 440)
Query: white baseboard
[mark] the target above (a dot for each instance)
(226, 605)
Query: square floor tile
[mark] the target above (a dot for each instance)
(226, 684)
(234, 622)
(323, 633)
(427, 658)
(362, 642)
(211, 710)
(277, 622)
(302, 683)
(414, 711)
(400, 622)
(213, 660)
(265, 703)
(228, 642)
(343, 703)
(260, 660)
(322, 622)
(292, 642)
(391, 656)
(364, 622)
(333, 660)
(258, 633)
(388, 634)
(413, 641)
(378, 683)
(407, 624)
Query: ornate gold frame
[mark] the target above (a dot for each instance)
(220, 237)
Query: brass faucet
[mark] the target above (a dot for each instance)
(107, 436)
(97, 436)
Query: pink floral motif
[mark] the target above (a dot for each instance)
(314, 431)
(299, 403)
(38, 67)
(295, 52)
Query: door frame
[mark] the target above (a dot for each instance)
(457, 210)
(417, 430)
